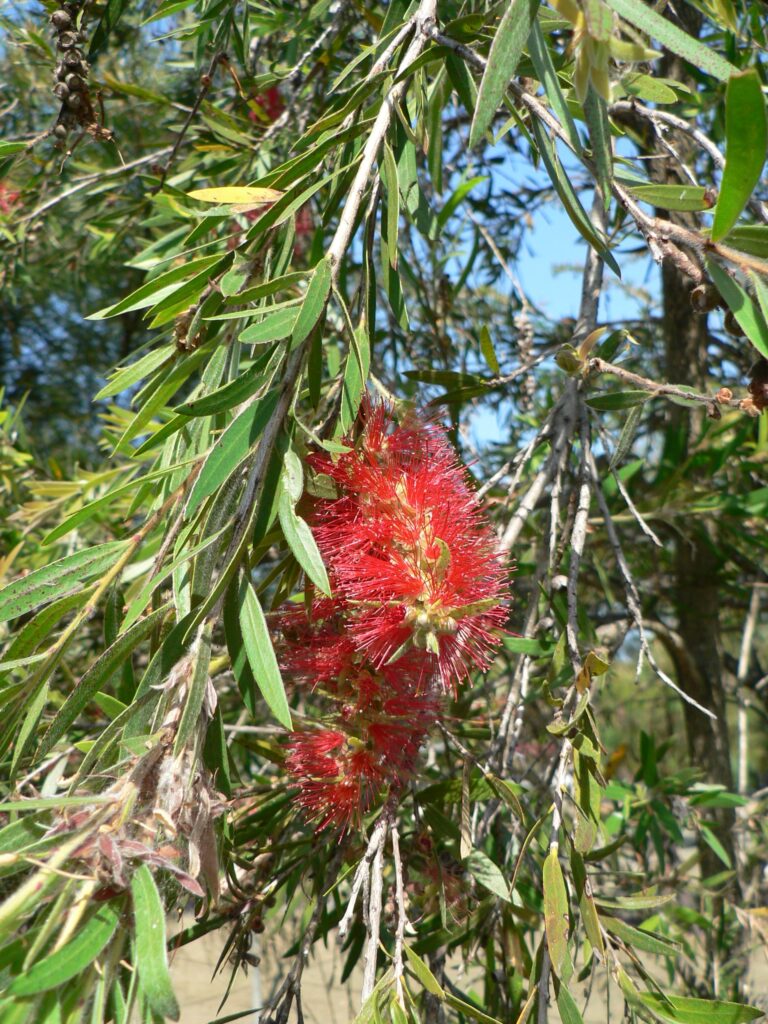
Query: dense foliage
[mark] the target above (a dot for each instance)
(269, 648)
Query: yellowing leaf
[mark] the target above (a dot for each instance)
(242, 195)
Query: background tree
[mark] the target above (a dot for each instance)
(264, 214)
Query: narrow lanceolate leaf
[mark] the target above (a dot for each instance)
(149, 944)
(58, 579)
(299, 538)
(488, 874)
(506, 50)
(600, 140)
(261, 655)
(242, 195)
(746, 138)
(231, 448)
(643, 16)
(556, 917)
(566, 1005)
(748, 314)
(274, 327)
(627, 435)
(423, 973)
(97, 674)
(670, 197)
(315, 301)
(567, 194)
(190, 716)
(547, 75)
(231, 394)
(686, 1010)
(72, 958)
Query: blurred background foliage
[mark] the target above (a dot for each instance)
(572, 782)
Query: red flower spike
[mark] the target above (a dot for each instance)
(419, 602)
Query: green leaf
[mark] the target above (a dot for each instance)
(506, 50)
(423, 973)
(158, 288)
(618, 400)
(389, 177)
(714, 844)
(644, 17)
(99, 672)
(58, 579)
(303, 545)
(636, 937)
(526, 645)
(7, 148)
(686, 1010)
(261, 655)
(568, 197)
(748, 315)
(109, 19)
(231, 394)
(129, 375)
(596, 114)
(547, 75)
(670, 197)
(231, 448)
(746, 138)
(556, 915)
(488, 874)
(566, 1006)
(73, 958)
(274, 327)
(149, 945)
(750, 238)
(627, 435)
(190, 716)
(638, 902)
(654, 90)
(315, 301)
(469, 1009)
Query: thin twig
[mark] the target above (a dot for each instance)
(206, 81)
(361, 874)
(91, 179)
(663, 390)
(741, 676)
(398, 965)
(374, 917)
(633, 597)
(424, 21)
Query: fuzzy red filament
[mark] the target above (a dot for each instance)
(418, 603)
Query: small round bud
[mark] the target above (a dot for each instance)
(758, 384)
(704, 297)
(724, 396)
(731, 325)
(60, 131)
(61, 20)
(67, 40)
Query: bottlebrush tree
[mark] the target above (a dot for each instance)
(377, 599)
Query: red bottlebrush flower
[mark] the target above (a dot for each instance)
(271, 103)
(8, 198)
(338, 780)
(409, 550)
(419, 600)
